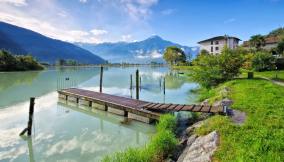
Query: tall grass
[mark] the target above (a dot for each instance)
(161, 145)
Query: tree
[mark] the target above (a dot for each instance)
(257, 41)
(280, 47)
(203, 52)
(263, 61)
(210, 70)
(174, 55)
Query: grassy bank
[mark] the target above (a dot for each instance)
(160, 146)
(271, 74)
(261, 137)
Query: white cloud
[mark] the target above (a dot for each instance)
(98, 31)
(49, 30)
(138, 9)
(156, 54)
(83, 1)
(15, 2)
(126, 38)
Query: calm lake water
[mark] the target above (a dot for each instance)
(64, 132)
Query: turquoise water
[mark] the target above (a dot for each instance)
(64, 132)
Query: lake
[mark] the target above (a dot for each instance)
(64, 132)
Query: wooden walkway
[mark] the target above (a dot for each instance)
(139, 107)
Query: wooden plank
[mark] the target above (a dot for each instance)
(179, 107)
(150, 106)
(165, 106)
(172, 106)
(205, 109)
(216, 109)
(196, 108)
(157, 106)
(188, 108)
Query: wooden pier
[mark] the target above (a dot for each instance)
(132, 108)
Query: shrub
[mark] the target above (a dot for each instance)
(210, 70)
(263, 61)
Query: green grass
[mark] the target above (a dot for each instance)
(175, 67)
(271, 74)
(261, 137)
(160, 146)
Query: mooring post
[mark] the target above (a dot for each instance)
(137, 84)
(101, 79)
(164, 85)
(131, 81)
(31, 114)
(140, 79)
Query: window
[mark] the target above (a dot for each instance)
(211, 49)
(211, 42)
(216, 48)
(216, 42)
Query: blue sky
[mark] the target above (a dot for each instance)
(182, 21)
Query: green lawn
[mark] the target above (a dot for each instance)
(261, 137)
(271, 74)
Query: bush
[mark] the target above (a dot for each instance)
(263, 61)
(210, 70)
(162, 144)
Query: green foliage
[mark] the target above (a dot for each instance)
(162, 144)
(261, 137)
(210, 70)
(280, 47)
(8, 62)
(263, 61)
(257, 41)
(174, 55)
(277, 32)
(204, 52)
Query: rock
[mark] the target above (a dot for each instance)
(200, 149)
(205, 103)
(190, 129)
(237, 116)
(226, 102)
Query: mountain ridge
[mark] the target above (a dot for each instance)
(145, 51)
(19, 40)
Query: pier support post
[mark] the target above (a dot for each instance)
(101, 79)
(30, 122)
(164, 86)
(137, 84)
(131, 81)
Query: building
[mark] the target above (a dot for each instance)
(269, 43)
(216, 44)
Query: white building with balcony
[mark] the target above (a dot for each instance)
(216, 44)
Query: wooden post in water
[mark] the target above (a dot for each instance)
(30, 122)
(137, 84)
(164, 85)
(131, 81)
(101, 79)
(140, 84)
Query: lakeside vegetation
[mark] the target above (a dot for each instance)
(160, 146)
(9, 62)
(261, 137)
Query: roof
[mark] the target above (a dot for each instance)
(268, 40)
(218, 38)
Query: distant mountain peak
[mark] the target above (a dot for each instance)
(155, 37)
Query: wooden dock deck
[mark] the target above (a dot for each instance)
(136, 109)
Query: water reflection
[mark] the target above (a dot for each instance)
(67, 132)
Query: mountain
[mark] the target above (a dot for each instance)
(22, 41)
(145, 51)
